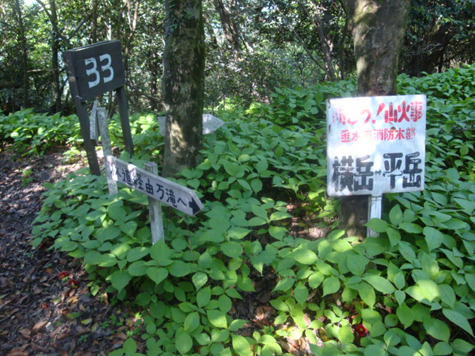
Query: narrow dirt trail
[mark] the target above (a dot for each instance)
(41, 313)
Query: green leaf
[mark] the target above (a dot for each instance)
(304, 256)
(199, 279)
(376, 350)
(179, 269)
(279, 215)
(345, 334)
(224, 303)
(458, 319)
(470, 278)
(356, 263)
(315, 279)
(396, 216)
(137, 253)
(429, 289)
(405, 315)
(277, 232)
(467, 205)
(232, 249)
(447, 294)
(203, 297)
(259, 211)
(301, 293)
(377, 225)
(434, 237)
(411, 228)
(230, 168)
(331, 285)
(160, 252)
(241, 346)
(108, 233)
(380, 284)
(137, 269)
(129, 346)
(262, 165)
(217, 318)
(129, 228)
(184, 343)
(284, 284)
(437, 329)
(394, 236)
(256, 185)
(462, 346)
(442, 348)
(192, 322)
(238, 233)
(367, 294)
(407, 252)
(157, 274)
(244, 184)
(116, 211)
(120, 279)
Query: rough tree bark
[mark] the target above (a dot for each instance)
(183, 83)
(378, 31)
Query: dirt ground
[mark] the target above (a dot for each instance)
(45, 305)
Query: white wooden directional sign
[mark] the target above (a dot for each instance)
(156, 187)
(376, 145)
(210, 124)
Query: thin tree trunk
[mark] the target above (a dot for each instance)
(327, 56)
(229, 27)
(183, 83)
(378, 32)
(24, 54)
(55, 56)
(95, 4)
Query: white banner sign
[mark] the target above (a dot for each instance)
(376, 144)
(161, 189)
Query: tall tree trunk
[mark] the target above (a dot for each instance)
(24, 54)
(183, 83)
(95, 5)
(327, 51)
(378, 32)
(55, 56)
(229, 27)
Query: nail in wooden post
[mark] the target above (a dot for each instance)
(106, 146)
(155, 210)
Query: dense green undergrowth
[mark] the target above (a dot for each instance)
(410, 291)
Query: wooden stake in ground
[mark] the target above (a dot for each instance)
(155, 210)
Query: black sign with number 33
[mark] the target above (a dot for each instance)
(95, 69)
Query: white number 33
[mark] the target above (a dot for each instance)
(105, 61)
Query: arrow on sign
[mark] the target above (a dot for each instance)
(156, 187)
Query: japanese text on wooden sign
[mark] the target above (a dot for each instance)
(161, 189)
(376, 145)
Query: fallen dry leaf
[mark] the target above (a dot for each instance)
(25, 333)
(39, 326)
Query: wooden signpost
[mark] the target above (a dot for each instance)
(376, 145)
(159, 190)
(94, 70)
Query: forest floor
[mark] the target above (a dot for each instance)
(46, 308)
(45, 305)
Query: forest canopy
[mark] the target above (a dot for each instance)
(252, 47)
